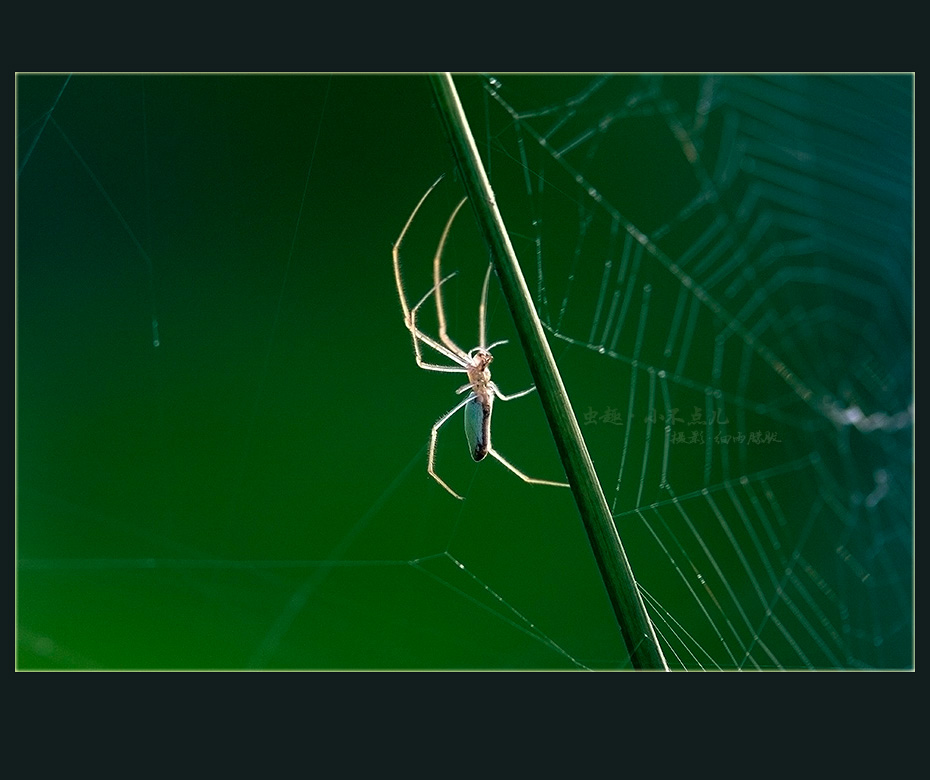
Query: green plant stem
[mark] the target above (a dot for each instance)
(636, 628)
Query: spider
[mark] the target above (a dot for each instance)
(479, 402)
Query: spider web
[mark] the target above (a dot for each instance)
(725, 249)
(724, 265)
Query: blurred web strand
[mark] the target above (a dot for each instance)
(44, 119)
(798, 222)
(498, 606)
(149, 267)
(47, 117)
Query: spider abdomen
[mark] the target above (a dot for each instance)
(478, 426)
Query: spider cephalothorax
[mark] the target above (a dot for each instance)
(479, 374)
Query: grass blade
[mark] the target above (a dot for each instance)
(636, 628)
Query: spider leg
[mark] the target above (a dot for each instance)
(483, 311)
(434, 432)
(419, 336)
(437, 274)
(448, 350)
(395, 252)
(499, 394)
(524, 477)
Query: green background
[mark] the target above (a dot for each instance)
(252, 492)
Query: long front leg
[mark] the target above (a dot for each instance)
(438, 282)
